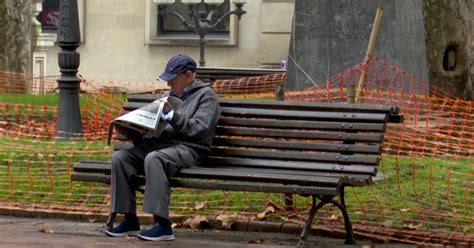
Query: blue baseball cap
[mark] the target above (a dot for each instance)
(178, 64)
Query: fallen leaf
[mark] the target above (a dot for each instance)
(129, 237)
(404, 210)
(270, 209)
(198, 222)
(200, 205)
(274, 205)
(334, 217)
(91, 220)
(45, 230)
(258, 241)
(262, 215)
(284, 218)
(388, 223)
(176, 225)
(412, 227)
(227, 220)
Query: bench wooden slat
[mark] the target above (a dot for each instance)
(92, 166)
(129, 106)
(354, 180)
(287, 105)
(249, 187)
(304, 115)
(105, 170)
(253, 187)
(307, 146)
(263, 132)
(135, 102)
(146, 98)
(88, 177)
(104, 167)
(308, 106)
(299, 124)
(292, 172)
(210, 173)
(293, 165)
(297, 156)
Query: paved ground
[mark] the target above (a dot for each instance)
(35, 232)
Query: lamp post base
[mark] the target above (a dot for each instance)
(68, 124)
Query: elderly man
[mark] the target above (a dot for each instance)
(185, 142)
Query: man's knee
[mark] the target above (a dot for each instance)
(153, 159)
(119, 157)
(158, 165)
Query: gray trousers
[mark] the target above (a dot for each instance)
(158, 163)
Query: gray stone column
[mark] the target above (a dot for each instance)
(329, 36)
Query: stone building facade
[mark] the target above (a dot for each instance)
(119, 40)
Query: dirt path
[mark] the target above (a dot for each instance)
(35, 232)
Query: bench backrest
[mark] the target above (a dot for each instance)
(340, 139)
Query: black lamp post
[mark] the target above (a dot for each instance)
(200, 18)
(68, 123)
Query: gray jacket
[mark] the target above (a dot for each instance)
(194, 123)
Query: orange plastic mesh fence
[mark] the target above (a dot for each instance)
(424, 184)
(250, 87)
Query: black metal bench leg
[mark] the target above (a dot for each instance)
(110, 220)
(307, 226)
(347, 223)
(341, 196)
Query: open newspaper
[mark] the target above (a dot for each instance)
(146, 119)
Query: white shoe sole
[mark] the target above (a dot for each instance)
(161, 238)
(129, 233)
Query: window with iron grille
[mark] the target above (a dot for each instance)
(169, 25)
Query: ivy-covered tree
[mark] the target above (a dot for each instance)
(449, 41)
(15, 39)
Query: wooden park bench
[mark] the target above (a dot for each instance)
(305, 148)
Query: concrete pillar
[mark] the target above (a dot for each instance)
(329, 36)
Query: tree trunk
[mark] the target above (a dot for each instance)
(15, 44)
(449, 37)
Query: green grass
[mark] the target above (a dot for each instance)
(37, 171)
(434, 190)
(53, 100)
(36, 100)
(40, 108)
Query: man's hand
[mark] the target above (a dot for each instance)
(121, 130)
(167, 108)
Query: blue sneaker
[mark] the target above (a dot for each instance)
(125, 228)
(157, 233)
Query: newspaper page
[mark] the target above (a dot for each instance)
(146, 119)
